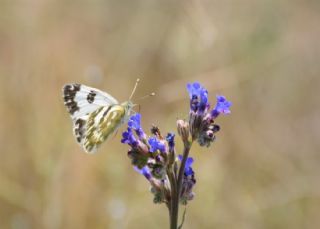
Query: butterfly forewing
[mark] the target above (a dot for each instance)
(95, 114)
(81, 100)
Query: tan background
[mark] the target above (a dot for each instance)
(263, 171)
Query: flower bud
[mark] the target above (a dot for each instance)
(171, 144)
(183, 130)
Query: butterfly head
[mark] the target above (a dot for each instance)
(127, 105)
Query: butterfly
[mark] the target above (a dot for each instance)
(96, 115)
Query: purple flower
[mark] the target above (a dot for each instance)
(222, 106)
(145, 171)
(188, 171)
(170, 140)
(198, 97)
(128, 138)
(188, 181)
(194, 89)
(135, 123)
(156, 144)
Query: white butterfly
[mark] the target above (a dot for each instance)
(95, 114)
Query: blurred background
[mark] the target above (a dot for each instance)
(262, 172)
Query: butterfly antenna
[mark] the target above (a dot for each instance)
(146, 96)
(143, 97)
(134, 89)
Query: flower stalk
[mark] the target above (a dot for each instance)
(176, 193)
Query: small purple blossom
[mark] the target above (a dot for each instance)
(222, 106)
(156, 144)
(135, 123)
(194, 89)
(145, 171)
(198, 97)
(170, 140)
(128, 138)
(188, 171)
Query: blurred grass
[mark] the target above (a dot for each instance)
(263, 171)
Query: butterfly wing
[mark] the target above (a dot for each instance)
(95, 114)
(101, 124)
(81, 100)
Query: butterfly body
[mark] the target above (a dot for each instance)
(96, 115)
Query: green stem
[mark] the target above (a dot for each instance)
(172, 182)
(176, 193)
(173, 187)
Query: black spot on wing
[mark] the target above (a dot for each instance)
(79, 129)
(69, 93)
(70, 90)
(90, 97)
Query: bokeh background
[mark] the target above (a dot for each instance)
(262, 172)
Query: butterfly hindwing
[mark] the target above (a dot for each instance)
(79, 128)
(101, 124)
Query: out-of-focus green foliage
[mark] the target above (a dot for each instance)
(263, 171)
